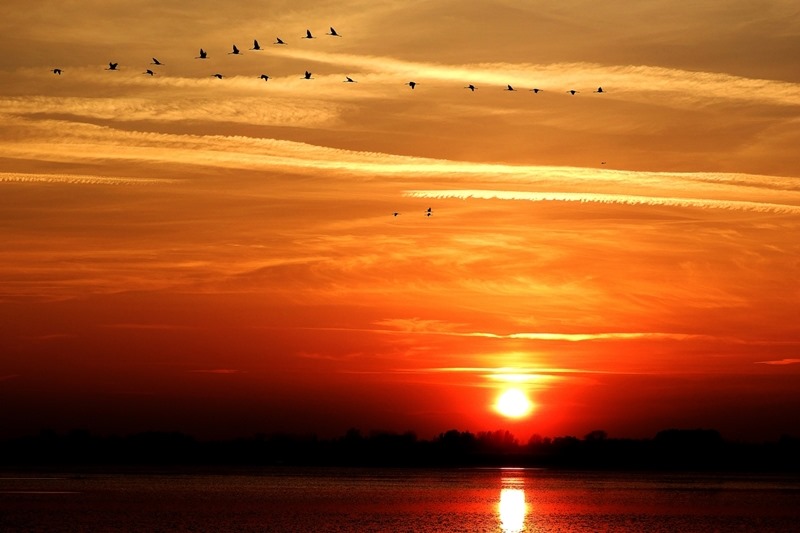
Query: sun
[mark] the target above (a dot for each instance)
(513, 403)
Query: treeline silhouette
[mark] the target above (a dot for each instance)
(673, 449)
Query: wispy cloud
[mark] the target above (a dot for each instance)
(15, 177)
(626, 199)
(780, 362)
(221, 371)
(437, 327)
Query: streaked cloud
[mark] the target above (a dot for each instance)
(780, 362)
(625, 199)
(16, 177)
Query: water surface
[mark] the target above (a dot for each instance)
(332, 500)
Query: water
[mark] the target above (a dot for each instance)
(420, 501)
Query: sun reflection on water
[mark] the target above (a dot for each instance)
(512, 507)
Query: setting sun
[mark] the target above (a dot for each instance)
(513, 403)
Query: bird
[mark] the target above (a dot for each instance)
(599, 90)
(218, 76)
(308, 35)
(235, 51)
(256, 46)
(470, 87)
(536, 91)
(156, 62)
(412, 84)
(573, 92)
(509, 88)
(203, 54)
(112, 66)
(264, 77)
(395, 214)
(429, 212)
(56, 71)
(148, 71)
(348, 79)
(333, 33)
(278, 40)
(307, 76)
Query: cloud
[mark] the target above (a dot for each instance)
(780, 362)
(439, 327)
(17, 177)
(221, 371)
(626, 199)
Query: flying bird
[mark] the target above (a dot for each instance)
(256, 46)
(278, 40)
(148, 71)
(235, 51)
(412, 84)
(203, 54)
(307, 76)
(395, 214)
(599, 90)
(112, 66)
(56, 71)
(429, 212)
(348, 79)
(573, 92)
(333, 33)
(308, 35)
(536, 91)
(156, 62)
(218, 76)
(509, 88)
(264, 77)
(470, 87)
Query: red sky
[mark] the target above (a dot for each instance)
(220, 256)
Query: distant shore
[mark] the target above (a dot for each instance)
(672, 449)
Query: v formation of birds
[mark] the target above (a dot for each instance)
(307, 76)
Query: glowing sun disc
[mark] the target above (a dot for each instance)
(513, 403)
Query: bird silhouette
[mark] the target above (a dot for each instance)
(333, 33)
(348, 79)
(307, 76)
(218, 76)
(203, 54)
(395, 214)
(599, 90)
(509, 88)
(308, 35)
(278, 40)
(536, 91)
(56, 71)
(573, 92)
(412, 84)
(149, 72)
(470, 87)
(428, 212)
(256, 46)
(112, 66)
(264, 77)
(156, 62)
(235, 51)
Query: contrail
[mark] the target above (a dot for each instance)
(535, 196)
(82, 179)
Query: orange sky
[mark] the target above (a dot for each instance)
(220, 256)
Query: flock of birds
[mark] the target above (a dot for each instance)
(307, 75)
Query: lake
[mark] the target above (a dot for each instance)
(397, 500)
